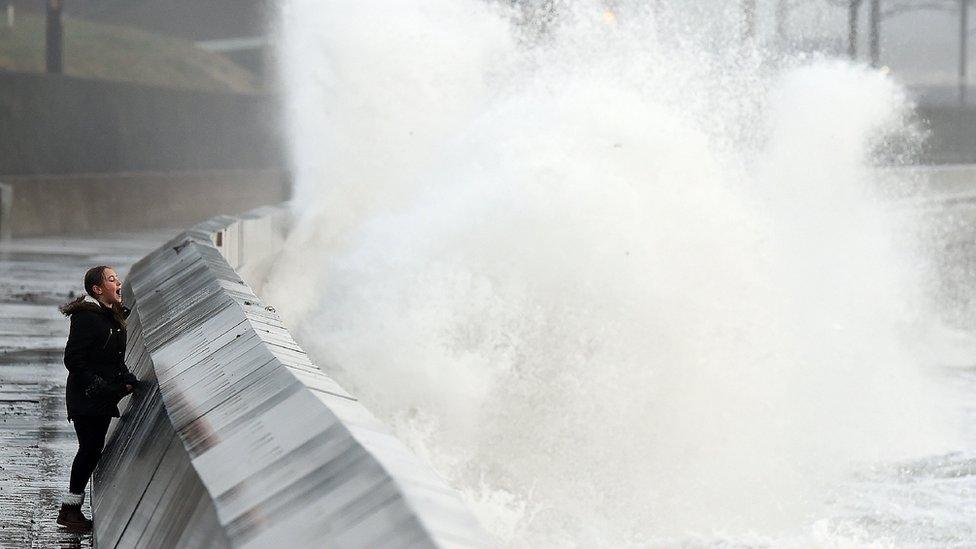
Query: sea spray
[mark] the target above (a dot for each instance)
(621, 280)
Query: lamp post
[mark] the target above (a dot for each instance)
(874, 33)
(782, 14)
(853, 12)
(54, 38)
(748, 20)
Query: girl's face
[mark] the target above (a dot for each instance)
(109, 291)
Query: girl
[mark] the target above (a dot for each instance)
(97, 380)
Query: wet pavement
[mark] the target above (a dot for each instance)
(37, 443)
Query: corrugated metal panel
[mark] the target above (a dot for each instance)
(237, 439)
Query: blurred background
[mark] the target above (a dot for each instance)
(142, 100)
(135, 86)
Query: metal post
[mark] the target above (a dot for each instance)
(875, 33)
(853, 15)
(749, 20)
(54, 37)
(782, 14)
(6, 209)
(963, 48)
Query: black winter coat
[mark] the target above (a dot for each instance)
(95, 359)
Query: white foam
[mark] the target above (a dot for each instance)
(624, 283)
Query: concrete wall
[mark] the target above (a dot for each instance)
(952, 138)
(86, 203)
(145, 493)
(236, 438)
(250, 244)
(933, 184)
(54, 124)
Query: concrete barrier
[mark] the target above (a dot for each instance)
(952, 132)
(236, 439)
(87, 203)
(59, 124)
(924, 188)
(249, 244)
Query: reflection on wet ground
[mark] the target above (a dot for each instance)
(36, 441)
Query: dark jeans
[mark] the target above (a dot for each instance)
(91, 437)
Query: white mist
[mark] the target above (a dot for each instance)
(620, 283)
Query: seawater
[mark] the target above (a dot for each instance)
(623, 277)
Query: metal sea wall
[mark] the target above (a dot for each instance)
(235, 438)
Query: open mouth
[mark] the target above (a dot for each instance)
(118, 293)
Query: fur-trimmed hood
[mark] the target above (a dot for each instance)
(83, 303)
(90, 304)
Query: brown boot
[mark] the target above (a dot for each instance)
(71, 516)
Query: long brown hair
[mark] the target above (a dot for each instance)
(94, 277)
